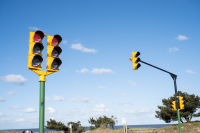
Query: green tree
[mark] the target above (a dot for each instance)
(191, 105)
(76, 127)
(53, 125)
(102, 122)
(59, 126)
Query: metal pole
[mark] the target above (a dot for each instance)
(177, 102)
(126, 128)
(41, 107)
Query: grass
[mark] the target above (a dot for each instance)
(192, 127)
(13, 132)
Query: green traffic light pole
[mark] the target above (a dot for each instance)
(177, 102)
(42, 75)
(42, 105)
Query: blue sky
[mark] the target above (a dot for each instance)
(96, 76)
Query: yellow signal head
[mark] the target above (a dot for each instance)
(54, 40)
(36, 36)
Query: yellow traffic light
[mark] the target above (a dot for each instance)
(181, 101)
(35, 50)
(53, 52)
(174, 105)
(135, 60)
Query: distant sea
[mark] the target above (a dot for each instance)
(115, 127)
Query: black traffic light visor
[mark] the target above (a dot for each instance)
(138, 60)
(40, 33)
(137, 54)
(58, 37)
(56, 63)
(56, 51)
(138, 66)
(37, 49)
(37, 60)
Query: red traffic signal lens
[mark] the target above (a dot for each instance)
(37, 38)
(54, 41)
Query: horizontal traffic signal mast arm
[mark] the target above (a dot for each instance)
(157, 68)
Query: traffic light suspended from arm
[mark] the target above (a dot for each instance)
(53, 52)
(181, 102)
(174, 105)
(35, 50)
(135, 60)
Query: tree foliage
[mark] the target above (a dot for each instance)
(76, 128)
(102, 122)
(53, 125)
(191, 105)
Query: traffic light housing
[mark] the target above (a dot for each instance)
(53, 52)
(35, 50)
(135, 60)
(181, 102)
(173, 105)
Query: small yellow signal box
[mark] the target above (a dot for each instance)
(181, 102)
(35, 50)
(135, 60)
(174, 105)
(53, 52)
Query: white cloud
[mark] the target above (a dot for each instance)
(29, 110)
(121, 103)
(92, 102)
(50, 110)
(18, 79)
(76, 82)
(181, 37)
(84, 70)
(15, 107)
(2, 99)
(73, 99)
(20, 120)
(173, 49)
(46, 99)
(33, 28)
(83, 99)
(101, 71)
(57, 98)
(1, 114)
(65, 41)
(11, 93)
(76, 113)
(102, 87)
(190, 72)
(100, 108)
(131, 82)
(137, 111)
(186, 87)
(121, 94)
(79, 99)
(78, 46)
